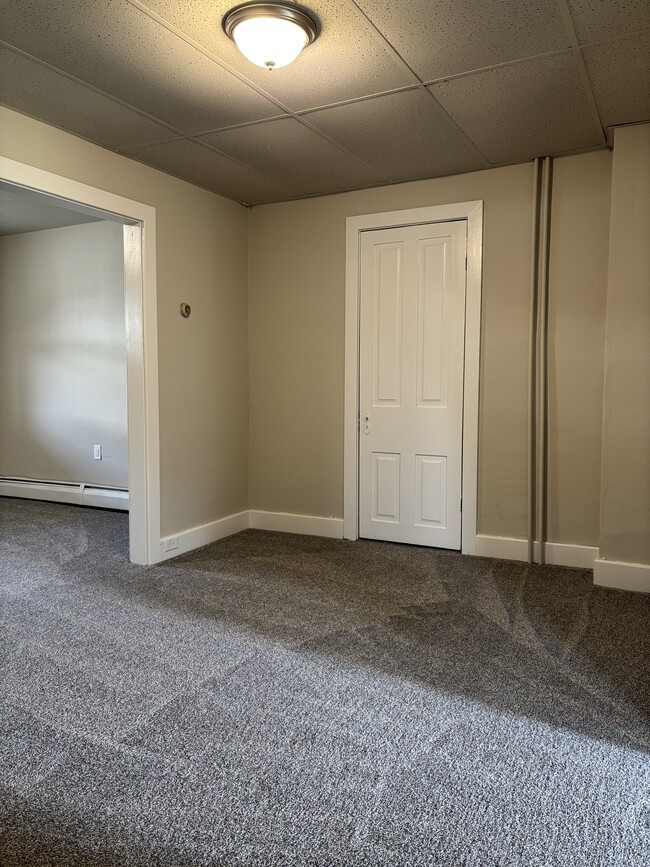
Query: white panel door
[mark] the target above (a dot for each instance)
(412, 339)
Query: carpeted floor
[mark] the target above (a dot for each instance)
(287, 700)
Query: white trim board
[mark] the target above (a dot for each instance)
(622, 576)
(472, 212)
(556, 553)
(141, 339)
(282, 522)
(197, 537)
(308, 525)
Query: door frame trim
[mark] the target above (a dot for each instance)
(139, 222)
(472, 212)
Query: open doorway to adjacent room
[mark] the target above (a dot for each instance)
(79, 397)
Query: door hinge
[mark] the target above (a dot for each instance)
(461, 504)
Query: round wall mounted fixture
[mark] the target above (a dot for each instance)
(271, 35)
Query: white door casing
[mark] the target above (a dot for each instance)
(411, 356)
(472, 213)
(139, 222)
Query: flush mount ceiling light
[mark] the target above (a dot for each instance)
(271, 35)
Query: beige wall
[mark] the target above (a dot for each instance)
(201, 258)
(63, 355)
(625, 496)
(297, 285)
(576, 315)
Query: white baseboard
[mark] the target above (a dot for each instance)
(59, 492)
(556, 553)
(283, 522)
(563, 554)
(622, 576)
(501, 547)
(309, 525)
(196, 537)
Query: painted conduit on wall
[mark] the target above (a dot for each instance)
(538, 359)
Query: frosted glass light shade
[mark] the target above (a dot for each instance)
(273, 34)
(269, 42)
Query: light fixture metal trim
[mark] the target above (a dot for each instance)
(285, 11)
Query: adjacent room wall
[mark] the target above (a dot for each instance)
(625, 494)
(63, 355)
(297, 286)
(203, 360)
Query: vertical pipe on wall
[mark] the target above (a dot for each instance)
(542, 427)
(532, 364)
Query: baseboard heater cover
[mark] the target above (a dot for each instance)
(63, 492)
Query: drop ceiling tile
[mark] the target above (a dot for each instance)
(117, 48)
(402, 135)
(594, 19)
(287, 150)
(206, 168)
(619, 72)
(345, 62)
(40, 92)
(444, 37)
(525, 110)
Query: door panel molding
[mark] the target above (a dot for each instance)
(472, 212)
(423, 319)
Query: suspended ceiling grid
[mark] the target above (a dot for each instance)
(390, 92)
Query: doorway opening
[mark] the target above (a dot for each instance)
(31, 192)
(415, 487)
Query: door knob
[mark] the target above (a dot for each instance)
(366, 424)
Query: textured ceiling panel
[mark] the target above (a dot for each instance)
(345, 62)
(595, 19)
(444, 37)
(620, 76)
(43, 93)
(199, 165)
(118, 49)
(403, 135)
(171, 60)
(525, 110)
(287, 150)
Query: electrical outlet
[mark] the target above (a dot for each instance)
(97, 453)
(169, 544)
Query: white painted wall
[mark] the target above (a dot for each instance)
(63, 355)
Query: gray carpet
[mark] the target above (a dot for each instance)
(287, 700)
